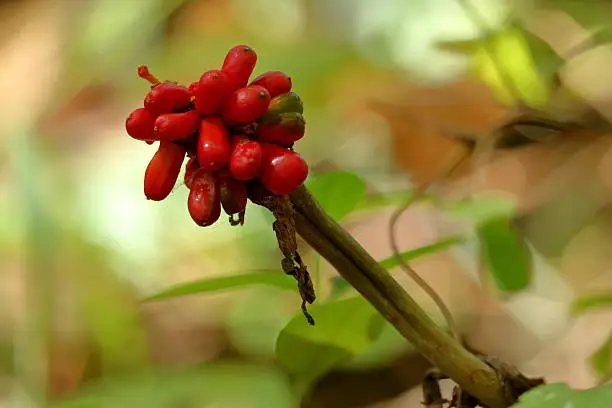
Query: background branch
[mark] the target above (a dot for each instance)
(393, 302)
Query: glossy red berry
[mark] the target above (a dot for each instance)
(193, 88)
(276, 82)
(282, 170)
(176, 126)
(245, 161)
(167, 98)
(204, 201)
(246, 105)
(289, 129)
(139, 124)
(213, 149)
(190, 169)
(239, 64)
(233, 194)
(163, 170)
(212, 91)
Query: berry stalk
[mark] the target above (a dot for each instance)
(143, 72)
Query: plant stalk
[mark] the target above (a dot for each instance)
(375, 283)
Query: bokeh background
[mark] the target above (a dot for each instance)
(384, 84)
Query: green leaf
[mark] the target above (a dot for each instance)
(502, 248)
(343, 329)
(559, 395)
(392, 261)
(547, 61)
(340, 286)
(376, 201)
(507, 62)
(601, 360)
(505, 253)
(596, 301)
(483, 208)
(338, 192)
(512, 56)
(272, 278)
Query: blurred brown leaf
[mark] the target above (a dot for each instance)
(426, 123)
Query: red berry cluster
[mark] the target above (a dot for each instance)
(232, 131)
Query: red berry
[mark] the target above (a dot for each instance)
(163, 170)
(233, 194)
(139, 124)
(204, 201)
(290, 128)
(239, 64)
(175, 126)
(245, 161)
(190, 169)
(213, 148)
(246, 105)
(282, 170)
(276, 82)
(193, 87)
(167, 98)
(212, 91)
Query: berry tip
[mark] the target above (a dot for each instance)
(144, 73)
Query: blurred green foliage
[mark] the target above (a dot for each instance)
(227, 385)
(107, 40)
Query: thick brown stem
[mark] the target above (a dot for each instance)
(375, 283)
